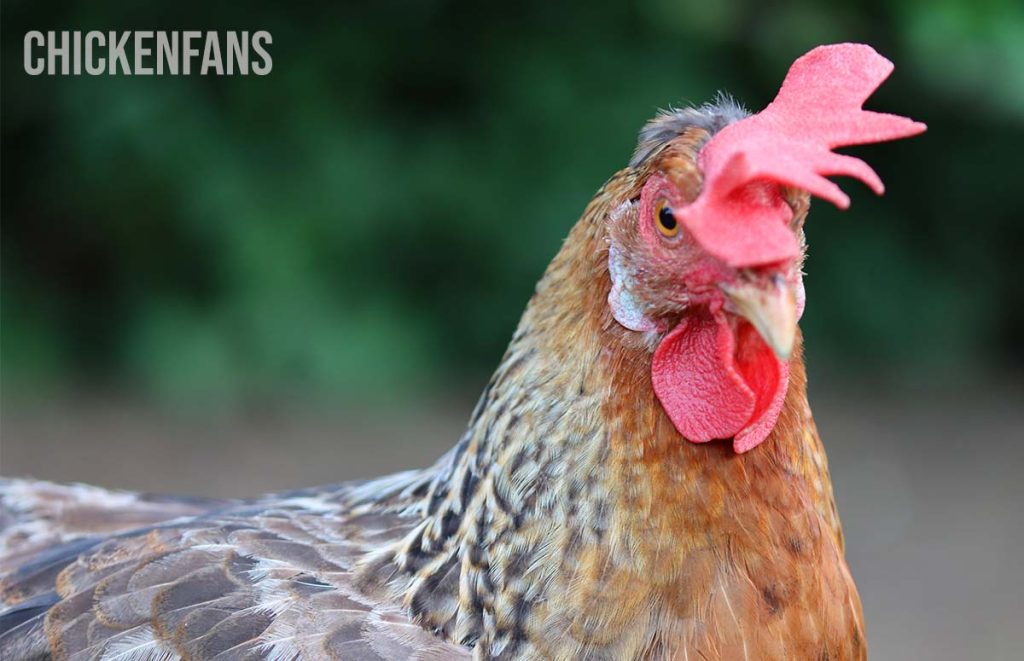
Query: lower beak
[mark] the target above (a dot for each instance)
(769, 304)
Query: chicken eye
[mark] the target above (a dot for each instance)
(666, 220)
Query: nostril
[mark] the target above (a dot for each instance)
(773, 272)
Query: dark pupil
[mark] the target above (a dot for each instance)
(667, 218)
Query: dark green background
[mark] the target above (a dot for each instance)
(370, 218)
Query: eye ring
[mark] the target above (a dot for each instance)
(665, 220)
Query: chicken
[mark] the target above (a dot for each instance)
(590, 510)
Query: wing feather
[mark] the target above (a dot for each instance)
(266, 579)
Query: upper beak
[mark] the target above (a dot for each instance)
(769, 304)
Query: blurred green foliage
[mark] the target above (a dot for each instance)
(371, 216)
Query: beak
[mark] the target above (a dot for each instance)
(769, 304)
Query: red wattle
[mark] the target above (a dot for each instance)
(768, 377)
(714, 383)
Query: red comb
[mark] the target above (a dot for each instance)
(740, 216)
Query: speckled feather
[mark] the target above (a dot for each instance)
(571, 521)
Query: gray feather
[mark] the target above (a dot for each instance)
(669, 124)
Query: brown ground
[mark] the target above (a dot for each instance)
(931, 488)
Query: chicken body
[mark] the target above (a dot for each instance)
(571, 521)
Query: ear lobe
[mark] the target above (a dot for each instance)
(625, 308)
(801, 297)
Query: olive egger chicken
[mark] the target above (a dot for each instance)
(591, 509)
